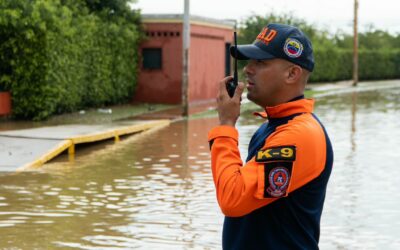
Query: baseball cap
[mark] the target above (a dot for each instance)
(279, 41)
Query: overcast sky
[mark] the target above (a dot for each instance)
(327, 14)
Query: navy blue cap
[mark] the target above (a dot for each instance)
(279, 41)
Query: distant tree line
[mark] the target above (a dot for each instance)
(63, 55)
(379, 51)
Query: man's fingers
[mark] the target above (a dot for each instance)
(239, 90)
(222, 85)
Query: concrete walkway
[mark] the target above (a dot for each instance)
(30, 148)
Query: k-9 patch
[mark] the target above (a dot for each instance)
(283, 153)
(277, 176)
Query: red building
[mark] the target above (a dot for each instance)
(160, 76)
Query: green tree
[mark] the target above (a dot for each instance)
(58, 56)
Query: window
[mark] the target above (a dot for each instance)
(152, 58)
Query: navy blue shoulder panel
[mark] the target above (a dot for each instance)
(329, 148)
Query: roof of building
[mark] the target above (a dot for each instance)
(178, 18)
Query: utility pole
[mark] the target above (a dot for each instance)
(355, 45)
(185, 59)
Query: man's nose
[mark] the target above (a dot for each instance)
(248, 69)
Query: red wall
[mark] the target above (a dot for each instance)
(207, 61)
(162, 86)
(206, 66)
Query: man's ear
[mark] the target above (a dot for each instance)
(294, 74)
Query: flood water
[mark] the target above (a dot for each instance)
(155, 190)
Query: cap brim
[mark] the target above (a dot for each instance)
(250, 51)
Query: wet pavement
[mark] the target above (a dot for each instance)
(27, 148)
(155, 190)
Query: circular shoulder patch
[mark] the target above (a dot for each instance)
(293, 48)
(279, 180)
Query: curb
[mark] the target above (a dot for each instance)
(70, 143)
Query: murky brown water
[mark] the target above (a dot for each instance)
(155, 191)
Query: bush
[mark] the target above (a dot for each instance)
(332, 65)
(60, 56)
(379, 64)
(337, 64)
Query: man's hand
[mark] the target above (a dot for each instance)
(229, 108)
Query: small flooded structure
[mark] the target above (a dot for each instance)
(160, 77)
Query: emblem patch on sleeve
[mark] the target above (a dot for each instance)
(277, 176)
(284, 153)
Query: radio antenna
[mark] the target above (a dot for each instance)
(235, 73)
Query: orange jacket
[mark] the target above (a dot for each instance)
(292, 156)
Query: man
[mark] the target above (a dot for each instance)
(275, 199)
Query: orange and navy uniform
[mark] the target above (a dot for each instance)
(275, 199)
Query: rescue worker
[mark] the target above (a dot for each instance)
(275, 199)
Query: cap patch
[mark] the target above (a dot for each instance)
(293, 48)
(267, 35)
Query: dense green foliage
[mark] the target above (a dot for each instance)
(379, 51)
(62, 55)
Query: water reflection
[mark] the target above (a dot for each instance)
(155, 191)
(151, 192)
(360, 211)
(353, 121)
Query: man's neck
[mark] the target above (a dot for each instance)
(284, 100)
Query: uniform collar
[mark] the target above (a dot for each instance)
(289, 108)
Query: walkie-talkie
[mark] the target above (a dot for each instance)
(232, 84)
